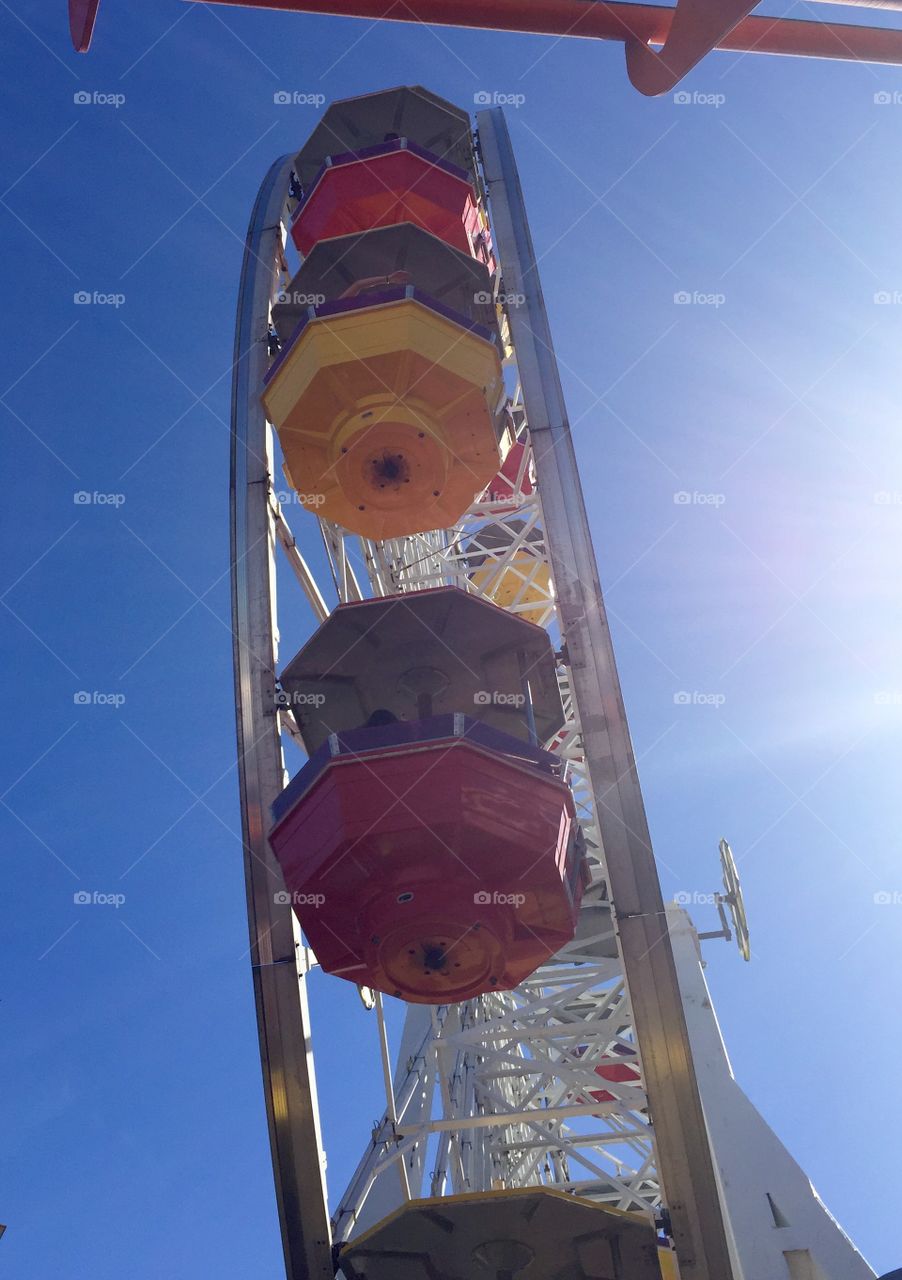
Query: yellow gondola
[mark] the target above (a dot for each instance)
(387, 408)
(529, 1232)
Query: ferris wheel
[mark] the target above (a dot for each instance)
(467, 834)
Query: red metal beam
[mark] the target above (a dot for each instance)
(82, 16)
(595, 18)
(630, 23)
(698, 26)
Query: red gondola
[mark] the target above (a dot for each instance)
(434, 860)
(387, 184)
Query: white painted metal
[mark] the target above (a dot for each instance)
(779, 1228)
(277, 954)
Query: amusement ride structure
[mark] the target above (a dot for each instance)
(467, 834)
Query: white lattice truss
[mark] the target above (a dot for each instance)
(540, 1085)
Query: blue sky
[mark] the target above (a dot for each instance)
(134, 1137)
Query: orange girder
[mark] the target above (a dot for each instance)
(646, 24)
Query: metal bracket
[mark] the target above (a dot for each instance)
(82, 16)
(698, 27)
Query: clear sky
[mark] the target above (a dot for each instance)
(133, 1133)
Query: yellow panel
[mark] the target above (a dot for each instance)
(526, 580)
(386, 417)
(668, 1264)
(359, 336)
